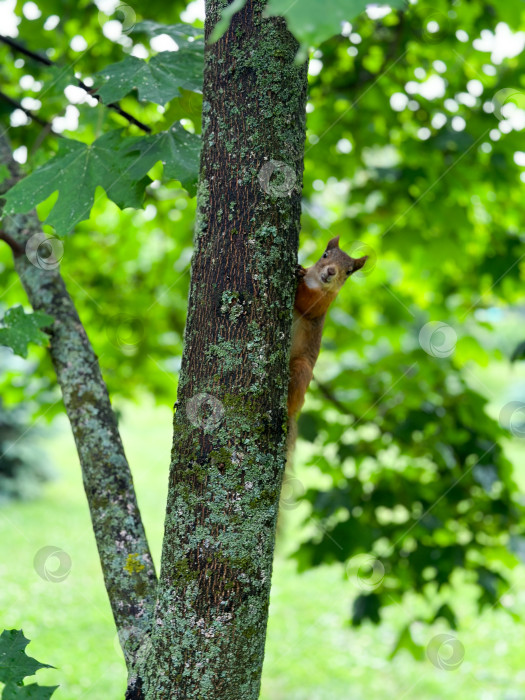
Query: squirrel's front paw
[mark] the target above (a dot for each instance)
(300, 272)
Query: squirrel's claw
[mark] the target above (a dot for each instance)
(300, 271)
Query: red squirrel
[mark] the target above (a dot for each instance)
(318, 287)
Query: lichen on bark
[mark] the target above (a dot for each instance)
(228, 450)
(125, 557)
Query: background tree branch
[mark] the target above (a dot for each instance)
(127, 565)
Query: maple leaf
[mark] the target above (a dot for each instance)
(76, 171)
(21, 329)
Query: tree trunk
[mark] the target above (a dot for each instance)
(229, 429)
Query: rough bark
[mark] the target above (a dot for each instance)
(228, 450)
(126, 561)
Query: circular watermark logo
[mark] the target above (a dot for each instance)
(52, 564)
(512, 418)
(205, 411)
(365, 572)
(292, 490)
(277, 178)
(124, 14)
(435, 25)
(44, 251)
(124, 331)
(445, 652)
(438, 339)
(358, 249)
(191, 104)
(506, 100)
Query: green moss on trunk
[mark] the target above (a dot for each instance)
(126, 561)
(229, 446)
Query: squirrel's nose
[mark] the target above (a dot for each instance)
(331, 271)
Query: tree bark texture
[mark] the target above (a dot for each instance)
(126, 561)
(228, 450)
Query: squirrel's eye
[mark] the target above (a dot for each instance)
(325, 255)
(348, 272)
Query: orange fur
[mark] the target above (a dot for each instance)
(312, 303)
(318, 287)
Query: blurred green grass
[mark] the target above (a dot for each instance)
(311, 654)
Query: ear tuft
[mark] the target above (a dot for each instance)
(333, 243)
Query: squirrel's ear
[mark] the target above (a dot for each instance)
(333, 243)
(359, 262)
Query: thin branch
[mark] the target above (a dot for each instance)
(328, 394)
(28, 112)
(14, 245)
(116, 108)
(48, 62)
(125, 557)
(22, 49)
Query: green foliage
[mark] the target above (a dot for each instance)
(15, 665)
(313, 22)
(406, 464)
(310, 21)
(420, 484)
(413, 469)
(28, 692)
(184, 35)
(177, 149)
(117, 165)
(157, 80)
(76, 171)
(20, 329)
(406, 641)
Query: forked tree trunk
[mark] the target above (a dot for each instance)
(228, 449)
